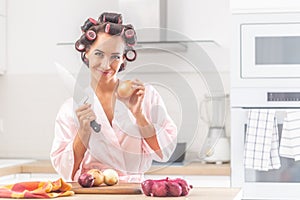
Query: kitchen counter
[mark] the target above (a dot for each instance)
(195, 194)
(193, 168)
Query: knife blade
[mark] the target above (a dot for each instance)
(80, 86)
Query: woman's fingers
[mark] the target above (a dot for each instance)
(85, 113)
(140, 93)
(83, 107)
(137, 84)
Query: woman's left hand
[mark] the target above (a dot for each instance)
(134, 102)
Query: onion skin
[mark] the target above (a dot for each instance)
(86, 180)
(98, 176)
(174, 189)
(166, 187)
(147, 187)
(184, 186)
(159, 189)
(111, 177)
(125, 89)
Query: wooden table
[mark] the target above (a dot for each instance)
(195, 194)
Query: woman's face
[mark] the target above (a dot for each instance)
(105, 57)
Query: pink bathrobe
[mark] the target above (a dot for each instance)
(119, 146)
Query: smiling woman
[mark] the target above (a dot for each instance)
(136, 128)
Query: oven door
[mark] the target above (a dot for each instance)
(282, 183)
(270, 50)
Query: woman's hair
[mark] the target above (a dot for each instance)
(110, 23)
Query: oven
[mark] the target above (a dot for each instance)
(265, 75)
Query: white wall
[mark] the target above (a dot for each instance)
(31, 92)
(201, 19)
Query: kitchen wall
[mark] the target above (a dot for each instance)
(31, 90)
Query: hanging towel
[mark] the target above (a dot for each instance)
(261, 144)
(42, 190)
(290, 138)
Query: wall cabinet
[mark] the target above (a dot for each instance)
(2, 36)
(3, 58)
(2, 7)
(266, 6)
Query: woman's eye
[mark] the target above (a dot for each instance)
(116, 57)
(98, 54)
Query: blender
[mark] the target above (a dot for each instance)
(216, 147)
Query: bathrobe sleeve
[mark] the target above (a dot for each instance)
(166, 130)
(62, 156)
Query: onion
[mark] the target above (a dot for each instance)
(86, 180)
(111, 177)
(98, 176)
(125, 89)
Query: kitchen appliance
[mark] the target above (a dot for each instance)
(265, 74)
(216, 147)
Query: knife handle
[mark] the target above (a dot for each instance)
(95, 126)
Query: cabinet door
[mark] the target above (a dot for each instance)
(2, 7)
(2, 44)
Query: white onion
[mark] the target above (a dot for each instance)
(111, 177)
(98, 176)
(125, 89)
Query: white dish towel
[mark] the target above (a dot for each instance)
(261, 144)
(290, 138)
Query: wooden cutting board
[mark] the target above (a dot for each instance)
(120, 188)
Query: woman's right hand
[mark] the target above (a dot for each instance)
(85, 115)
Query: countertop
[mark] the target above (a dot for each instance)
(195, 194)
(193, 168)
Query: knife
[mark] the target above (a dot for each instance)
(80, 87)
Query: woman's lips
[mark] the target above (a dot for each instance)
(103, 72)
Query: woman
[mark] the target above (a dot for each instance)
(134, 130)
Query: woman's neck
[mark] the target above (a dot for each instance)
(104, 87)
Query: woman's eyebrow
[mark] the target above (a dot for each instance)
(99, 50)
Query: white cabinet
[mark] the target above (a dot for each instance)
(2, 7)
(2, 36)
(2, 44)
(266, 6)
